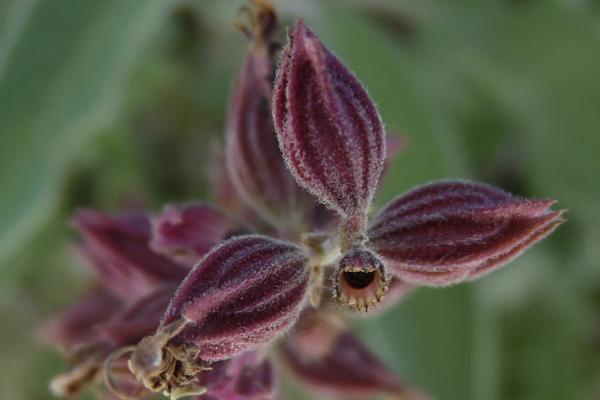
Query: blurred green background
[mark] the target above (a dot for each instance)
(115, 103)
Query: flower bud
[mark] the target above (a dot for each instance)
(324, 355)
(360, 279)
(127, 325)
(252, 154)
(447, 232)
(187, 233)
(254, 377)
(249, 376)
(119, 251)
(243, 294)
(138, 318)
(76, 325)
(329, 130)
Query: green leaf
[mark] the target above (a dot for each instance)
(63, 65)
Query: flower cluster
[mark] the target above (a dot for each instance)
(201, 301)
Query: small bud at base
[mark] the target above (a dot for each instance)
(360, 280)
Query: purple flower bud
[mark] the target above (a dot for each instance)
(329, 130)
(243, 294)
(126, 326)
(252, 155)
(76, 326)
(324, 355)
(447, 232)
(139, 318)
(254, 377)
(360, 280)
(226, 195)
(119, 250)
(248, 376)
(187, 233)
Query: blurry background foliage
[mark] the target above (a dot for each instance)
(115, 104)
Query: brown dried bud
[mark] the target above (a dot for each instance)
(360, 279)
(243, 294)
(329, 130)
(447, 232)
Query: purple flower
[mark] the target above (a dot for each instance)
(196, 300)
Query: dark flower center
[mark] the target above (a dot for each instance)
(359, 279)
